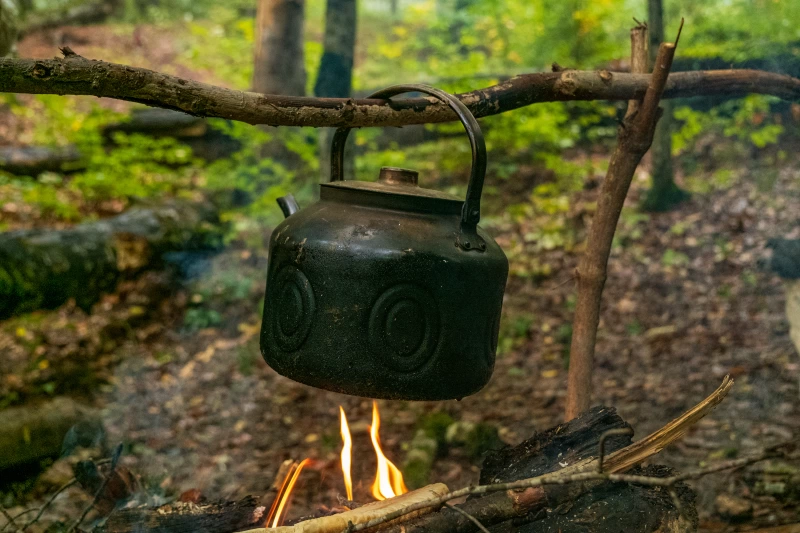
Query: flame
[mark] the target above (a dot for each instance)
(347, 452)
(388, 479)
(285, 494)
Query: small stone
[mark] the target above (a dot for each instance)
(733, 508)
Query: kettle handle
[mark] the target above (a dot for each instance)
(467, 238)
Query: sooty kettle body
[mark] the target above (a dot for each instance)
(386, 289)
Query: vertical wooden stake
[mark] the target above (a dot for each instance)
(633, 140)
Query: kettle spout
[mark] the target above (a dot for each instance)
(288, 205)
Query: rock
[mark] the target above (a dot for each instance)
(733, 508)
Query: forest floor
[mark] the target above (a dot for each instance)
(176, 370)
(199, 409)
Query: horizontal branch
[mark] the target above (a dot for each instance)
(76, 75)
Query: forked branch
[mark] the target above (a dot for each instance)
(77, 75)
(633, 140)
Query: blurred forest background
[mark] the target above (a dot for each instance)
(167, 360)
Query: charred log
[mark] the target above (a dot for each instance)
(587, 507)
(188, 517)
(44, 268)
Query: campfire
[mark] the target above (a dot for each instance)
(555, 479)
(388, 481)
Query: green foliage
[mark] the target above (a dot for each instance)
(435, 424)
(674, 258)
(216, 44)
(753, 28)
(200, 318)
(58, 120)
(250, 172)
(514, 331)
(247, 357)
(748, 120)
(134, 167)
(137, 167)
(161, 11)
(52, 201)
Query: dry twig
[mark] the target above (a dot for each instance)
(114, 460)
(9, 519)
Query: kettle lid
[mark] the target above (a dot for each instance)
(402, 185)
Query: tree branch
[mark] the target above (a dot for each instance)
(633, 140)
(77, 75)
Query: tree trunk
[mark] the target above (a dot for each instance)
(279, 55)
(664, 194)
(8, 26)
(44, 268)
(335, 76)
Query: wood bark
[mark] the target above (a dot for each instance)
(77, 75)
(35, 432)
(633, 140)
(44, 268)
(280, 48)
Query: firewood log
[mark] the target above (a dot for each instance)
(43, 268)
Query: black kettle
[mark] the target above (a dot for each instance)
(385, 289)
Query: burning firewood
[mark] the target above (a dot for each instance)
(576, 476)
(187, 516)
(561, 466)
(365, 513)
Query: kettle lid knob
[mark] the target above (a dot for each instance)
(399, 176)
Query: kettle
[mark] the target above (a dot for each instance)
(386, 289)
